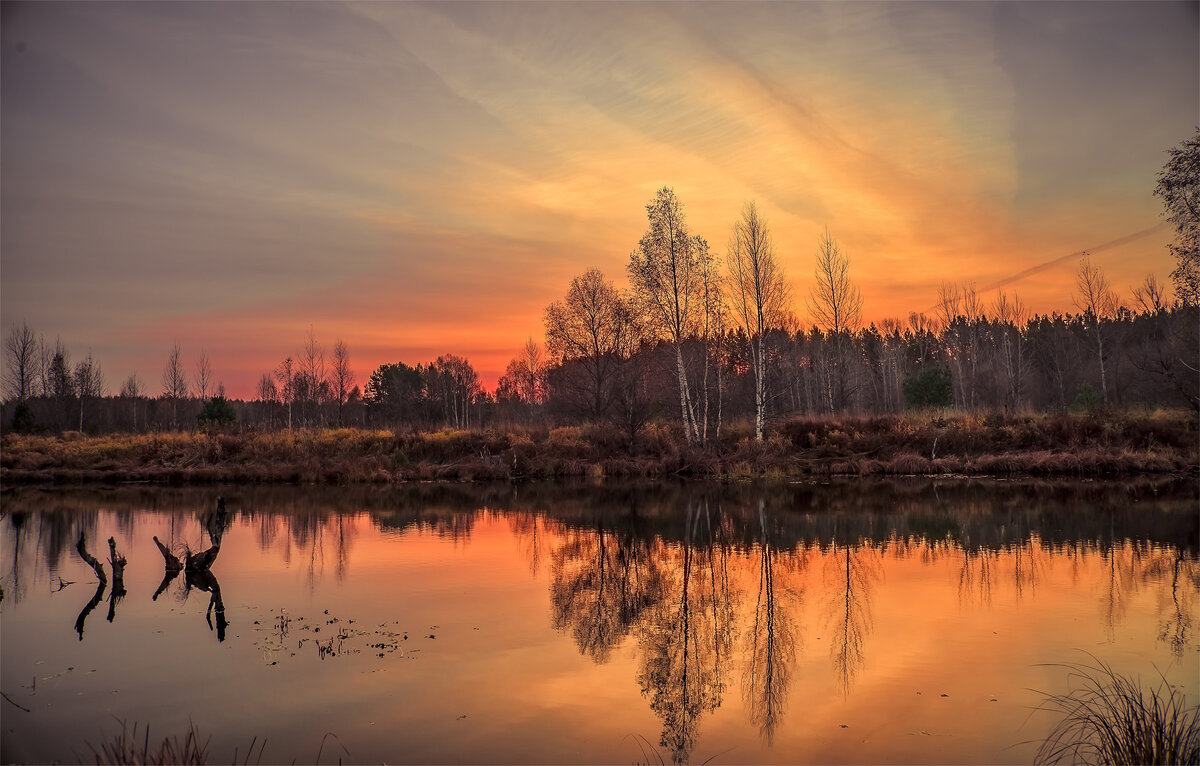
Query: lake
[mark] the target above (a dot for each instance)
(912, 621)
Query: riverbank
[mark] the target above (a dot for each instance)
(1034, 445)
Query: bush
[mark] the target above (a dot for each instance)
(217, 411)
(928, 388)
(1086, 399)
(23, 421)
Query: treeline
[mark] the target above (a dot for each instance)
(702, 340)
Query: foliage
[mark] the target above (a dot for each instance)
(1086, 399)
(929, 387)
(217, 411)
(1179, 188)
(23, 420)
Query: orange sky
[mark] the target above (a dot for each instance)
(423, 179)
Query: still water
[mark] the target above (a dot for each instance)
(852, 622)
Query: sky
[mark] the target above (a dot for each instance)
(424, 179)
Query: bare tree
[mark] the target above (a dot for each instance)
(1010, 315)
(1097, 301)
(312, 386)
(268, 395)
(592, 325)
(175, 384)
(665, 275)
(341, 377)
(21, 363)
(759, 295)
(203, 376)
(89, 382)
(836, 307)
(286, 375)
(133, 390)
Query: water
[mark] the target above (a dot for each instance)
(860, 621)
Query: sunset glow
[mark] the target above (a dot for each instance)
(424, 179)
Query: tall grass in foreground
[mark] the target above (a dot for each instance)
(1111, 719)
(128, 749)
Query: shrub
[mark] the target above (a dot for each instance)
(1086, 399)
(929, 387)
(217, 411)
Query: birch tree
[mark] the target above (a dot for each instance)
(203, 377)
(665, 276)
(758, 295)
(1097, 301)
(132, 390)
(836, 307)
(175, 383)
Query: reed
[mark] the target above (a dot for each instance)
(1108, 718)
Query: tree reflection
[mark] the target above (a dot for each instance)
(685, 641)
(852, 571)
(772, 638)
(602, 583)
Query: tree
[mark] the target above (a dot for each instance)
(132, 390)
(286, 375)
(203, 376)
(759, 295)
(524, 379)
(341, 377)
(217, 411)
(1097, 301)
(665, 275)
(930, 387)
(89, 382)
(592, 325)
(311, 386)
(175, 384)
(20, 369)
(1179, 188)
(836, 307)
(455, 385)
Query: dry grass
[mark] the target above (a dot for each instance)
(890, 445)
(1108, 718)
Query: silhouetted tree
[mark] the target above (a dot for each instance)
(836, 307)
(175, 384)
(589, 334)
(1179, 188)
(20, 364)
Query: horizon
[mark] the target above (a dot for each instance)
(402, 175)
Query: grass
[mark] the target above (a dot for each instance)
(126, 748)
(927, 444)
(1108, 718)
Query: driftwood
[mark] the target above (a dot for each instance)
(214, 524)
(118, 588)
(91, 561)
(197, 568)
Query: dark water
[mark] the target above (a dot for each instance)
(861, 621)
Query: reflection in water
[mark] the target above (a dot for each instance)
(604, 579)
(91, 561)
(773, 635)
(702, 584)
(686, 638)
(851, 571)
